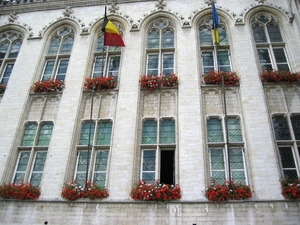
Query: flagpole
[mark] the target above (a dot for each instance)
(224, 100)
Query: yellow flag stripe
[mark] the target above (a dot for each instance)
(111, 28)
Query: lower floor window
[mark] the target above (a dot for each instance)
(289, 162)
(92, 167)
(158, 164)
(219, 165)
(30, 167)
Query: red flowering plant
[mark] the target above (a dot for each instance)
(73, 191)
(155, 192)
(215, 77)
(274, 76)
(152, 82)
(19, 191)
(290, 188)
(51, 85)
(227, 190)
(2, 88)
(100, 83)
(170, 80)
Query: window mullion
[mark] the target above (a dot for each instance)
(272, 57)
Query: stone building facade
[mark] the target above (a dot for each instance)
(255, 35)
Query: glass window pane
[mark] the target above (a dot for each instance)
(62, 69)
(224, 63)
(281, 128)
(218, 176)
(153, 39)
(99, 67)
(217, 159)
(149, 135)
(67, 45)
(259, 33)
(207, 62)
(87, 128)
(264, 59)
(168, 39)
(167, 132)
(21, 167)
(236, 159)
(81, 167)
(114, 65)
(234, 130)
(280, 58)
(3, 49)
(38, 168)
(214, 130)
(100, 43)
(100, 168)
(288, 162)
(54, 46)
(29, 135)
(205, 36)
(15, 49)
(7, 73)
(223, 36)
(48, 70)
(148, 167)
(168, 64)
(104, 133)
(45, 134)
(100, 179)
(152, 65)
(296, 126)
(274, 32)
(238, 176)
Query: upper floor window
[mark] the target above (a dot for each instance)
(211, 59)
(106, 59)
(269, 43)
(58, 55)
(10, 45)
(160, 48)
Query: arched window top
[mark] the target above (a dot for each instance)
(160, 34)
(62, 41)
(263, 18)
(10, 42)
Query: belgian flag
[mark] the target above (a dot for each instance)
(112, 35)
(215, 17)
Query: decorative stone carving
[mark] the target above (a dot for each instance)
(161, 5)
(12, 17)
(68, 12)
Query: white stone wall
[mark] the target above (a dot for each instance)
(126, 110)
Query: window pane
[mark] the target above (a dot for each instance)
(62, 69)
(168, 63)
(100, 168)
(100, 43)
(296, 126)
(224, 64)
(104, 133)
(274, 32)
(207, 62)
(48, 70)
(67, 45)
(223, 36)
(15, 49)
(7, 73)
(29, 135)
(45, 134)
(98, 67)
(167, 132)
(21, 167)
(236, 159)
(217, 159)
(81, 167)
(264, 59)
(54, 46)
(288, 162)
(38, 168)
(205, 36)
(149, 135)
(87, 128)
(3, 49)
(214, 130)
(234, 130)
(114, 65)
(281, 59)
(152, 65)
(148, 167)
(259, 33)
(153, 39)
(238, 176)
(168, 39)
(281, 128)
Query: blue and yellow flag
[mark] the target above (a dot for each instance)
(215, 32)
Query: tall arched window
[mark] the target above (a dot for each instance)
(210, 61)
(10, 44)
(160, 47)
(269, 43)
(106, 58)
(57, 58)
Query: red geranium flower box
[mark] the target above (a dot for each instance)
(275, 76)
(290, 189)
(100, 83)
(19, 191)
(51, 85)
(215, 77)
